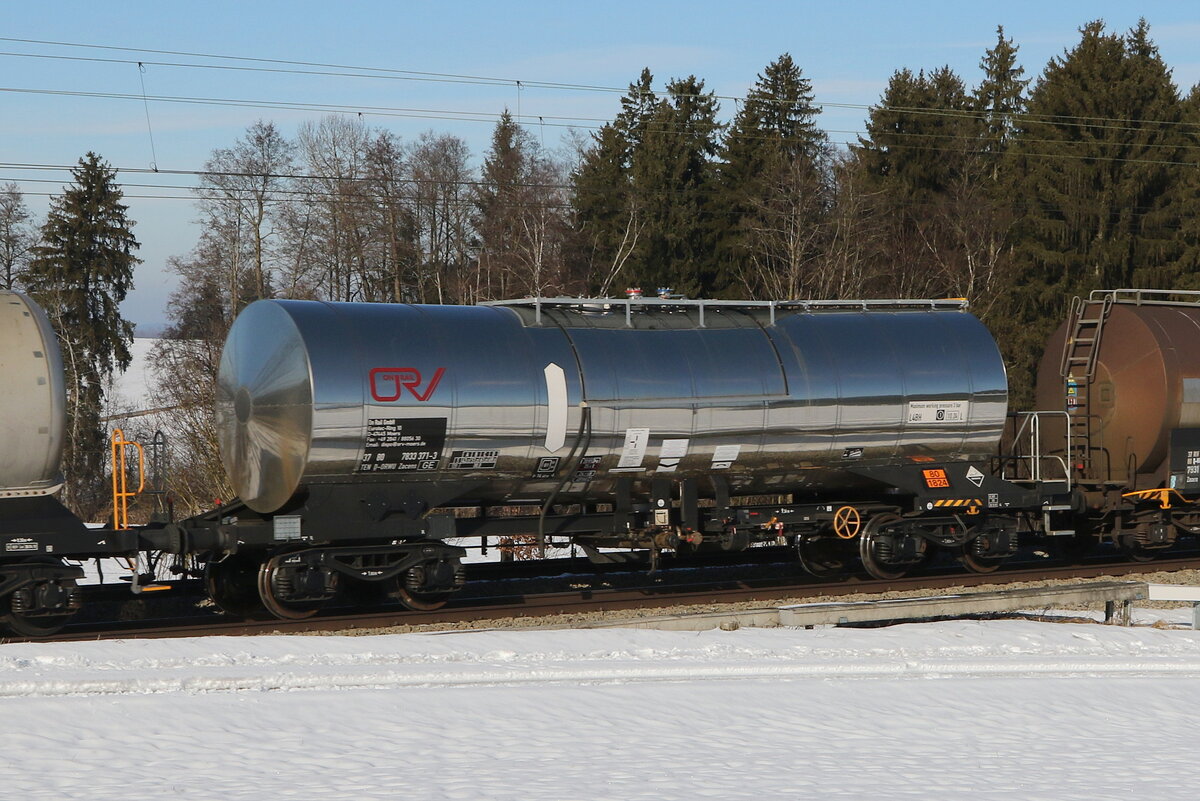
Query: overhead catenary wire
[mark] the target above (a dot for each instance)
(341, 200)
(277, 197)
(488, 116)
(939, 137)
(570, 186)
(146, 105)
(563, 121)
(910, 140)
(387, 72)
(445, 76)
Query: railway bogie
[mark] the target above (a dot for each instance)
(38, 595)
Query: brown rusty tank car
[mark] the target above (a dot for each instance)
(1125, 367)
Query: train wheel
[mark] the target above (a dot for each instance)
(24, 624)
(1135, 550)
(734, 540)
(30, 625)
(869, 549)
(823, 557)
(271, 585)
(232, 585)
(421, 601)
(978, 564)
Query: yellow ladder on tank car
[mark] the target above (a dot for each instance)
(122, 494)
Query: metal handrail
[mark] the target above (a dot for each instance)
(1147, 297)
(1033, 422)
(121, 493)
(643, 303)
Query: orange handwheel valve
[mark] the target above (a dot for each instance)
(847, 522)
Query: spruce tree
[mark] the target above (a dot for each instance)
(1000, 97)
(673, 180)
(80, 273)
(1097, 170)
(638, 105)
(497, 199)
(920, 135)
(774, 185)
(777, 119)
(519, 220)
(609, 219)
(919, 166)
(1185, 269)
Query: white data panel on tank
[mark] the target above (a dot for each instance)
(938, 411)
(634, 449)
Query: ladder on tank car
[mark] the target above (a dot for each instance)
(1080, 351)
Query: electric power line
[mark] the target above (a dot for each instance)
(520, 83)
(472, 116)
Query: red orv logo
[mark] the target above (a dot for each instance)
(389, 383)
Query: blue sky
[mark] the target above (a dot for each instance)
(847, 49)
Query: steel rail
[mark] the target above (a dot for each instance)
(590, 599)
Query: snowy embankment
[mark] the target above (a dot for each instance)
(996, 710)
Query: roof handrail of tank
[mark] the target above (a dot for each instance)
(643, 303)
(1147, 297)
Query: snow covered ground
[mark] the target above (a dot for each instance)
(979, 710)
(131, 390)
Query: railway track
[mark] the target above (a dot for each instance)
(539, 597)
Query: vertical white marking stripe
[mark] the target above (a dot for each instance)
(556, 403)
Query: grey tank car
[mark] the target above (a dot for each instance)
(770, 397)
(32, 399)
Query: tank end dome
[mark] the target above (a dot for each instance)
(264, 406)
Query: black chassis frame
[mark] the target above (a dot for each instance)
(37, 532)
(370, 533)
(375, 532)
(349, 519)
(340, 522)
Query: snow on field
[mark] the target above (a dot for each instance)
(131, 390)
(979, 710)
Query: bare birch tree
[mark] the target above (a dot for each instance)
(17, 236)
(240, 190)
(442, 207)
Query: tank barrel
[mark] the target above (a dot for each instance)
(765, 394)
(32, 399)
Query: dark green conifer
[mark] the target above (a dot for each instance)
(673, 180)
(1097, 168)
(774, 185)
(921, 134)
(1000, 97)
(80, 273)
(609, 218)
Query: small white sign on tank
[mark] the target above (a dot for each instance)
(934, 412)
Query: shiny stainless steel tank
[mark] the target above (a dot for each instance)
(773, 397)
(32, 399)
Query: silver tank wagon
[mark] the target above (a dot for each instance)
(772, 396)
(32, 400)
